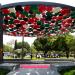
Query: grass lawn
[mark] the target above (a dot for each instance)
(66, 58)
(7, 57)
(4, 72)
(33, 58)
(69, 71)
(72, 72)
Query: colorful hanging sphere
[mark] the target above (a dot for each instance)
(16, 21)
(36, 26)
(27, 8)
(11, 21)
(18, 8)
(4, 27)
(56, 10)
(73, 14)
(22, 22)
(49, 8)
(11, 26)
(41, 8)
(65, 11)
(5, 11)
(7, 18)
(18, 14)
(12, 10)
(37, 20)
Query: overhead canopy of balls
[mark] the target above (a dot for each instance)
(36, 20)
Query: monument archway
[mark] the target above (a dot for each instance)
(36, 19)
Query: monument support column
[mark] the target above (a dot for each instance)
(1, 36)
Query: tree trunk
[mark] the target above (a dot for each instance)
(74, 54)
(67, 54)
(31, 56)
(45, 52)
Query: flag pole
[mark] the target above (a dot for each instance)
(22, 46)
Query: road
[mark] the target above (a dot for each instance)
(35, 69)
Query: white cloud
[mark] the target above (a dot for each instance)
(11, 39)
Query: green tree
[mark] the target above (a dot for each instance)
(33, 50)
(72, 46)
(60, 45)
(26, 48)
(15, 46)
(7, 48)
(42, 44)
(69, 39)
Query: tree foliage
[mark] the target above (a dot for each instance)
(42, 44)
(26, 47)
(60, 44)
(7, 48)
